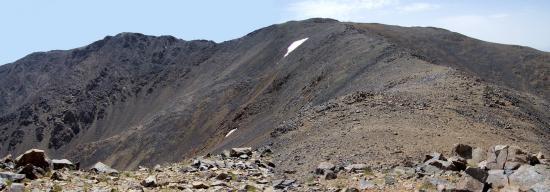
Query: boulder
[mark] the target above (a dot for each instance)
(237, 152)
(478, 155)
(462, 150)
(6, 159)
(32, 172)
(434, 156)
(496, 157)
(477, 173)
(199, 185)
(323, 167)
(63, 163)
(13, 177)
(283, 183)
(150, 181)
(329, 175)
(497, 179)
(99, 167)
(17, 187)
(541, 187)
(365, 184)
(525, 177)
(458, 163)
(34, 157)
(468, 183)
(3, 184)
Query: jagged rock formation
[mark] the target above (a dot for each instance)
(346, 88)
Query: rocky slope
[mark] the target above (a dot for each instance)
(501, 168)
(349, 93)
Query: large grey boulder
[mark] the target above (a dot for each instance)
(32, 172)
(99, 167)
(477, 173)
(496, 157)
(324, 167)
(478, 155)
(63, 163)
(541, 187)
(497, 178)
(3, 184)
(525, 177)
(34, 157)
(17, 187)
(468, 183)
(462, 150)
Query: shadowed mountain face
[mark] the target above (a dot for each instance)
(132, 99)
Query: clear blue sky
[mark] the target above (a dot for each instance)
(27, 26)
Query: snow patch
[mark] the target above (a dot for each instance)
(230, 132)
(295, 45)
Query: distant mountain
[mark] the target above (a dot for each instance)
(341, 90)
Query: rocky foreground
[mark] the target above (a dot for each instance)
(501, 168)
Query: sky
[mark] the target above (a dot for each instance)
(28, 26)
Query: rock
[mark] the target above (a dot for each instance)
(7, 159)
(237, 152)
(34, 157)
(468, 183)
(541, 187)
(532, 160)
(434, 156)
(365, 184)
(478, 155)
(199, 185)
(226, 154)
(428, 169)
(58, 176)
(3, 184)
(150, 181)
(32, 172)
(458, 163)
(539, 155)
(356, 167)
(157, 168)
(17, 187)
(477, 173)
(324, 166)
(509, 165)
(404, 172)
(462, 150)
(497, 179)
(283, 183)
(350, 190)
(329, 175)
(99, 167)
(497, 157)
(525, 177)
(13, 177)
(389, 180)
(222, 176)
(218, 183)
(63, 163)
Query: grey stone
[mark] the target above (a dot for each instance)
(468, 183)
(199, 185)
(99, 167)
(541, 187)
(3, 183)
(477, 173)
(434, 156)
(324, 166)
(457, 163)
(34, 157)
(525, 177)
(462, 150)
(283, 183)
(63, 163)
(366, 184)
(32, 172)
(497, 157)
(150, 181)
(9, 176)
(236, 152)
(389, 180)
(478, 155)
(497, 179)
(405, 172)
(329, 175)
(510, 165)
(17, 187)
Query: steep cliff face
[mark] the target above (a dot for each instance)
(133, 99)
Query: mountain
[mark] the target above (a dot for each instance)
(345, 91)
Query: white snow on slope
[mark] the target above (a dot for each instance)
(230, 132)
(295, 45)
